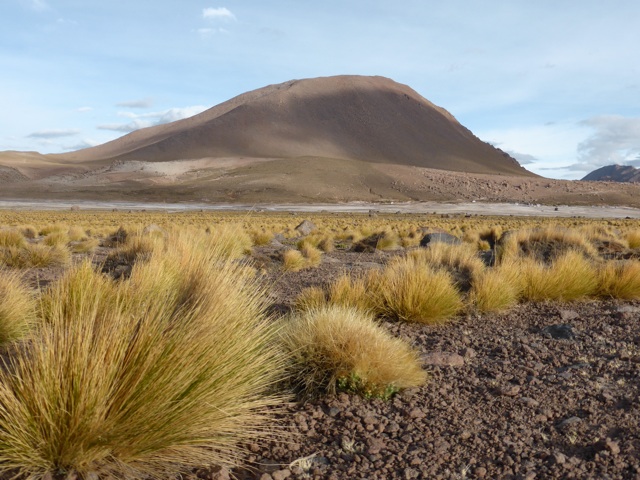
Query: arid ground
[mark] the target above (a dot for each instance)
(543, 390)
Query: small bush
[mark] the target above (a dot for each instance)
(17, 308)
(342, 348)
(619, 279)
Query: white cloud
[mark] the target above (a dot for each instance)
(53, 133)
(141, 103)
(144, 120)
(220, 13)
(615, 140)
(84, 109)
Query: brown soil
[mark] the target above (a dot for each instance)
(504, 400)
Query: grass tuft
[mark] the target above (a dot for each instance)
(122, 384)
(620, 279)
(342, 348)
(17, 308)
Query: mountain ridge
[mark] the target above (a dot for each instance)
(614, 173)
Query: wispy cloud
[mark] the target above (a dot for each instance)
(53, 133)
(85, 143)
(522, 158)
(141, 103)
(151, 119)
(615, 140)
(84, 109)
(220, 13)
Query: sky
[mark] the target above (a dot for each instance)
(554, 83)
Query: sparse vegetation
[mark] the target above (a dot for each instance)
(17, 308)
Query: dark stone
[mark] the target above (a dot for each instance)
(559, 332)
(439, 237)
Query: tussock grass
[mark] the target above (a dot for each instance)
(412, 291)
(17, 308)
(116, 385)
(35, 256)
(350, 292)
(11, 237)
(52, 228)
(230, 240)
(341, 348)
(29, 231)
(544, 244)
(293, 260)
(491, 291)
(312, 256)
(570, 277)
(310, 298)
(76, 234)
(462, 261)
(619, 279)
(633, 238)
(88, 245)
(261, 237)
(56, 239)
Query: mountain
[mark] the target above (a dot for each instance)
(615, 173)
(371, 119)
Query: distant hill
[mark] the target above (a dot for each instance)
(615, 173)
(370, 119)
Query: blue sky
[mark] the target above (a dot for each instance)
(555, 83)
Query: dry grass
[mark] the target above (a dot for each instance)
(17, 308)
(411, 291)
(119, 386)
(261, 237)
(56, 239)
(87, 245)
(76, 234)
(231, 240)
(633, 238)
(342, 348)
(11, 237)
(310, 298)
(492, 291)
(462, 261)
(35, 256)
(293, 260)
(570, 277)
(620, 279)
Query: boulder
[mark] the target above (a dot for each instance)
(439, 237)
(305, 227)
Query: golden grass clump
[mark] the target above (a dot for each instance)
(35, 256)
(350, 292)
(342, 348)
(29, 231)
(569, 277)
(310, 298)
(462, 261)
(11, 237)
(229, 239)
(76, 234)
(633, 238)
(492, 291)
(620, 279)
(17, 308)
(56, 239)
(312, 256)
(293, 260)
(122, 384)
(409, 290)
(261, 237)
(389, 240)
(88, 245)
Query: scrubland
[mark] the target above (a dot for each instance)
(153, 345)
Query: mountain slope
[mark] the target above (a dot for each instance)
(371, 119)
(615, 173)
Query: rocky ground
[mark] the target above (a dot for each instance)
(544, 391)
